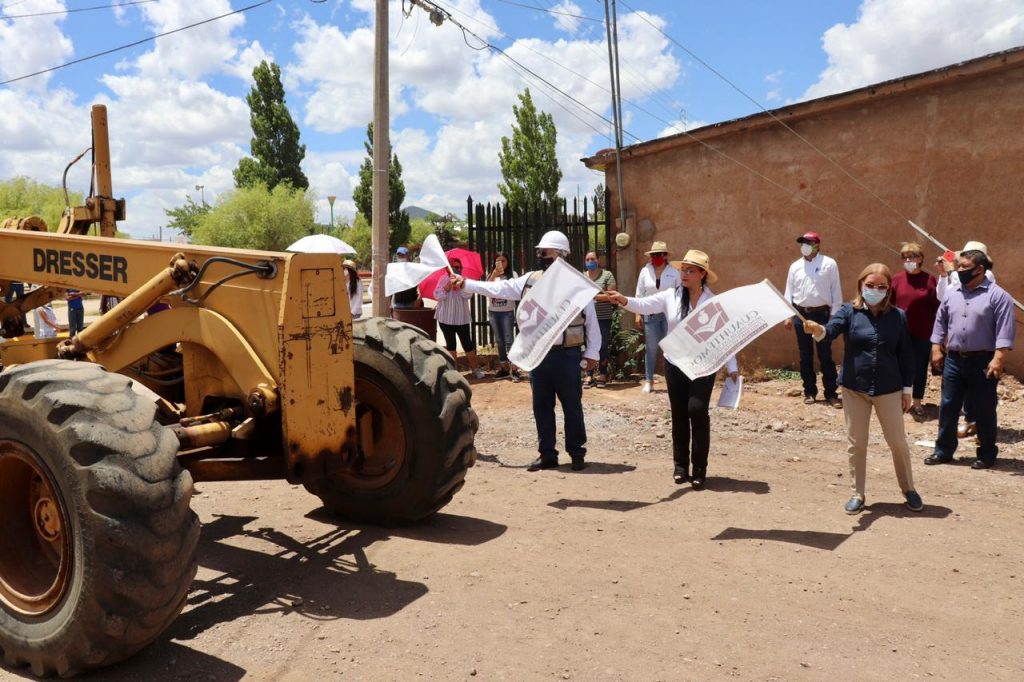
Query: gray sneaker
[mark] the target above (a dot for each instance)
(914, 502)
(854, 506)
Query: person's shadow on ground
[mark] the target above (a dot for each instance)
(831, 541)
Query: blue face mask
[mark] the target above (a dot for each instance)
(590, 265)
(872, 296)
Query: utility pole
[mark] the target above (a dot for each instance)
(611, 28)
(202, 194)
(381, 158)
(330, 200)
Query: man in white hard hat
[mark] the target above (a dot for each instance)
(558, 375)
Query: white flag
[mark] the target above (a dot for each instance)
(547, 310)
(402, 276)
(720, 327)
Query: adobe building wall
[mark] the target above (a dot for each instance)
(946, 152)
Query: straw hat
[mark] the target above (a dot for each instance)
(976, 246)
(657, 247)
(701, 260)
(349, 264)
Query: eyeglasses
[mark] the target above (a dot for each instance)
(911, 256)
(690, 271)
(876, 287)
(660, 253)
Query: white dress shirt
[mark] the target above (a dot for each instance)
(512, 289)
(813, 283)
(647, 283)
(668, 302)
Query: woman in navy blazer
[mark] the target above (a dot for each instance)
(878, 372)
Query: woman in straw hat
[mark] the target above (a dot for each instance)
(690, 399)
(657, 275)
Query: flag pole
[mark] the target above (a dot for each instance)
(927, 235)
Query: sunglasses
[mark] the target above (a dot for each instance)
(876, 287)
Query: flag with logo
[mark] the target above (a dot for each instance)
(402, 276)
(720, 327)
(546, 311)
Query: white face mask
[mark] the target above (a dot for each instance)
(910, 266)
(806, 249)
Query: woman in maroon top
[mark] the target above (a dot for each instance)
(913, 290)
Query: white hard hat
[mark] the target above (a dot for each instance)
(554, 240)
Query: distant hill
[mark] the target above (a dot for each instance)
(415, 212)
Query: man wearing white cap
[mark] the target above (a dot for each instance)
(558, 375)
(946, 282)
(974, 331)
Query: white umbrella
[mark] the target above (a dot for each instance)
(321, 243)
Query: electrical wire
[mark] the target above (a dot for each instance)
(774, 183)
(552, 11)
(73, 11)
(136, 43)
(775, 118)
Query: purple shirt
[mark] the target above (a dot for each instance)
(979, 319)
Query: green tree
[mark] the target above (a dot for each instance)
(529, 165)
(275, 142)
(185, 218)
(599, 200)
(420, 229)
(22, 197)
(398, 221)
(256, 218)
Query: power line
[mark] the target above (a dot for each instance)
(136, 43)
(778, 120)
(72, 11)
(551, 11)
(486, 45)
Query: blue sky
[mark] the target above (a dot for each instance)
(178, 116)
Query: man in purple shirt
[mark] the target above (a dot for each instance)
(974, 331)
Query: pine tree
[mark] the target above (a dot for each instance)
(529, 164)
(398, 222)
(276, 152)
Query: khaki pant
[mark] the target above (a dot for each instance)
(889, 408)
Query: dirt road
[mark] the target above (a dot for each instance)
(615, 572)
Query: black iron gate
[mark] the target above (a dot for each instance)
(495, 228)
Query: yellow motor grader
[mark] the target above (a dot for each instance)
(256, 371)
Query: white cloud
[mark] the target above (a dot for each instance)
(31, 44)
(205, 49)
(893, 38)
(564, 21)
(178, 117)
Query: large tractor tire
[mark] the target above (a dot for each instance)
(415, 425)
(97, 540)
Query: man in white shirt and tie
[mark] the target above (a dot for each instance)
(812, 286)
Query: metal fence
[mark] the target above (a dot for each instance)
(495, 228)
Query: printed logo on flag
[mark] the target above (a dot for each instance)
(530, 314)
(707, 321)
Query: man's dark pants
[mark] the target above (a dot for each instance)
(558, 375)
(963, 377)
(806, 344)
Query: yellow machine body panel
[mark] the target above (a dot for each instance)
(279, 342)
